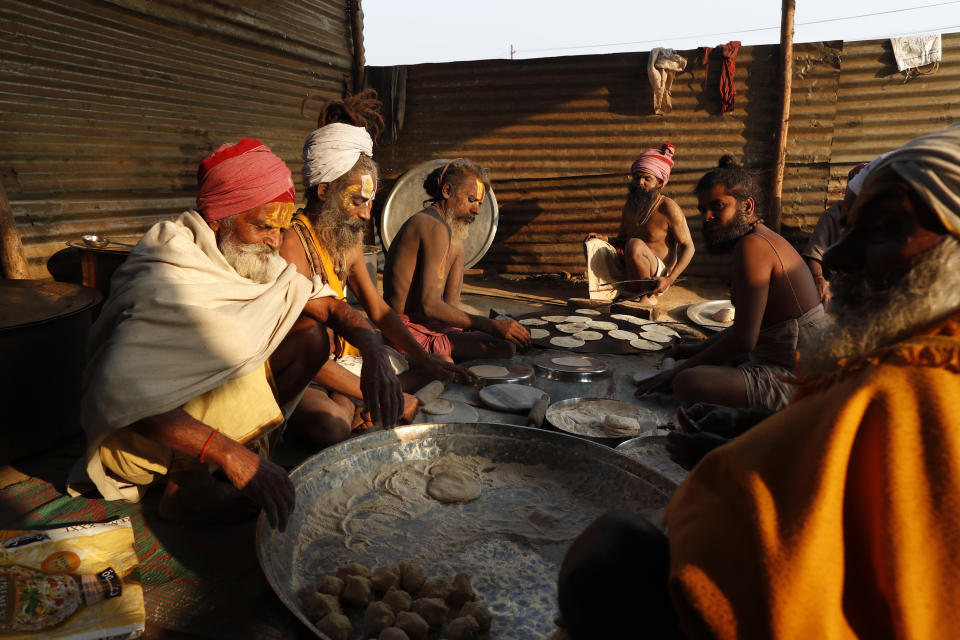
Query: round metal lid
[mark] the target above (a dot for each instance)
(28, 302)
(570, 367)
(407, 197)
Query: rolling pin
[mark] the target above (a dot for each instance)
(427, 394)
(537, 411)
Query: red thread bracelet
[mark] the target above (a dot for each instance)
(206, 444)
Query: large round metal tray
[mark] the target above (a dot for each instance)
(407, 197)
(511, 540)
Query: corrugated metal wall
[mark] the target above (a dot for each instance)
(559, 134)
(107, 107)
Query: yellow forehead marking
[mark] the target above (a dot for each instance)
(480, 192)
(366, 182)
(280, 215)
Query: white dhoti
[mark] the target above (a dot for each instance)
(605, 266)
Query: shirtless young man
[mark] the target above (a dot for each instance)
(778, 306)
(423, 274)
(654, 241)
(326, 239)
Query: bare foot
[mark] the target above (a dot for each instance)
(195, 497)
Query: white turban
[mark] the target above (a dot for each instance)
(931, 166)
(855, 184)
(331, 151)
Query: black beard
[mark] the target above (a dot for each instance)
(641, 200)
(725, 238)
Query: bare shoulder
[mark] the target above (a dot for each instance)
(753, 249)
(670, 208)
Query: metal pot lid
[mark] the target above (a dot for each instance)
(518, 372)
(570, 367)
(407, 198)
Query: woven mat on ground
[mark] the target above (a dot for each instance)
(200, 579)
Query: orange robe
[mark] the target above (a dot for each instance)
(838, 517)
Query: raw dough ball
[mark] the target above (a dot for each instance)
(439, 407)
(668, 363)
(572, 327)
(532, 322)
(724, 314)
(555, 319)
(588, 335)
(463, 628)
(336, 625)
(620, 334)
(437, 588)
(317, 605)
(383, 578)
(352, 569)
(479, 613)
(398, 599)
(378, 617)
(356, 591)
(393, 633)
(330, 584)
(645, 345)
(453, 486)
(415, 626)
(489, 370)
(433, 610)
(462, 591)
(566, 341)
(537, 334)
(412, 577)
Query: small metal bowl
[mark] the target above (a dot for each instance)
(96, 241)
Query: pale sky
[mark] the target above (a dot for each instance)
(415, 31)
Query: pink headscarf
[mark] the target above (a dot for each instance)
(237, 178)
(656, 162)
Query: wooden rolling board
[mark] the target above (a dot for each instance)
(604, 345)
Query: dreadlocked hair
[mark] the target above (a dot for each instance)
(359, 109)
(453, 173)
(737, 181)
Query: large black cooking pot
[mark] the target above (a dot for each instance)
(43, 338)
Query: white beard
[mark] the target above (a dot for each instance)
(870, 316)
(257, 262)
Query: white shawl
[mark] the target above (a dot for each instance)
(179, 322)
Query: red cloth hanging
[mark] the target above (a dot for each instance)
(728, 90)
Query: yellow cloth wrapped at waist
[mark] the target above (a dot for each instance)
(322, 265)
(244, 409)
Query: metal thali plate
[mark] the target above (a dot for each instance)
(517, 372)
(407, 198)
(646, 414)
(540, 489)
(588, 370)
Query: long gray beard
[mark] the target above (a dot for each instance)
(257, 262)
(869, 316)
(641, 200)
(459, 230)
(339, 231)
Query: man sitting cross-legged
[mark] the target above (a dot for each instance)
(326, 240)
(778, 309)
(201, 350)
(423, 274)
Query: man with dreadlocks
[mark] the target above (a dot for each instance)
(778, 307)
(423, 274)
(325, 239)
(654, 242)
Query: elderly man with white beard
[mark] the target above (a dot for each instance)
(325, 240)
(837, 517)
(201, 351)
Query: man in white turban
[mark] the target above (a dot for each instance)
(326, 240)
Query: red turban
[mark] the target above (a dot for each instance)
(241, 177)
(656, 162)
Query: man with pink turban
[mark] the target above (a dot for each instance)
(201, 351)
(654, 241)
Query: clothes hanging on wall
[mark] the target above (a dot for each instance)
(728, 90)
(662, 67)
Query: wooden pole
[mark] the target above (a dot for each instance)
(786, 78)
(356, 31)
(13, 263)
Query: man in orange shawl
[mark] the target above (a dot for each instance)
(838, 517)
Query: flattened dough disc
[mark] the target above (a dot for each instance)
(620, 334)
(531, 322)
(439, 407)
(489, 370)
(510, 397)
(566, 341)
(536, 334)
(588, 335)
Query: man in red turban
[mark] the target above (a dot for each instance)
(201, 351)
(654, 241)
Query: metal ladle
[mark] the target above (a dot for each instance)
(100, 242)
